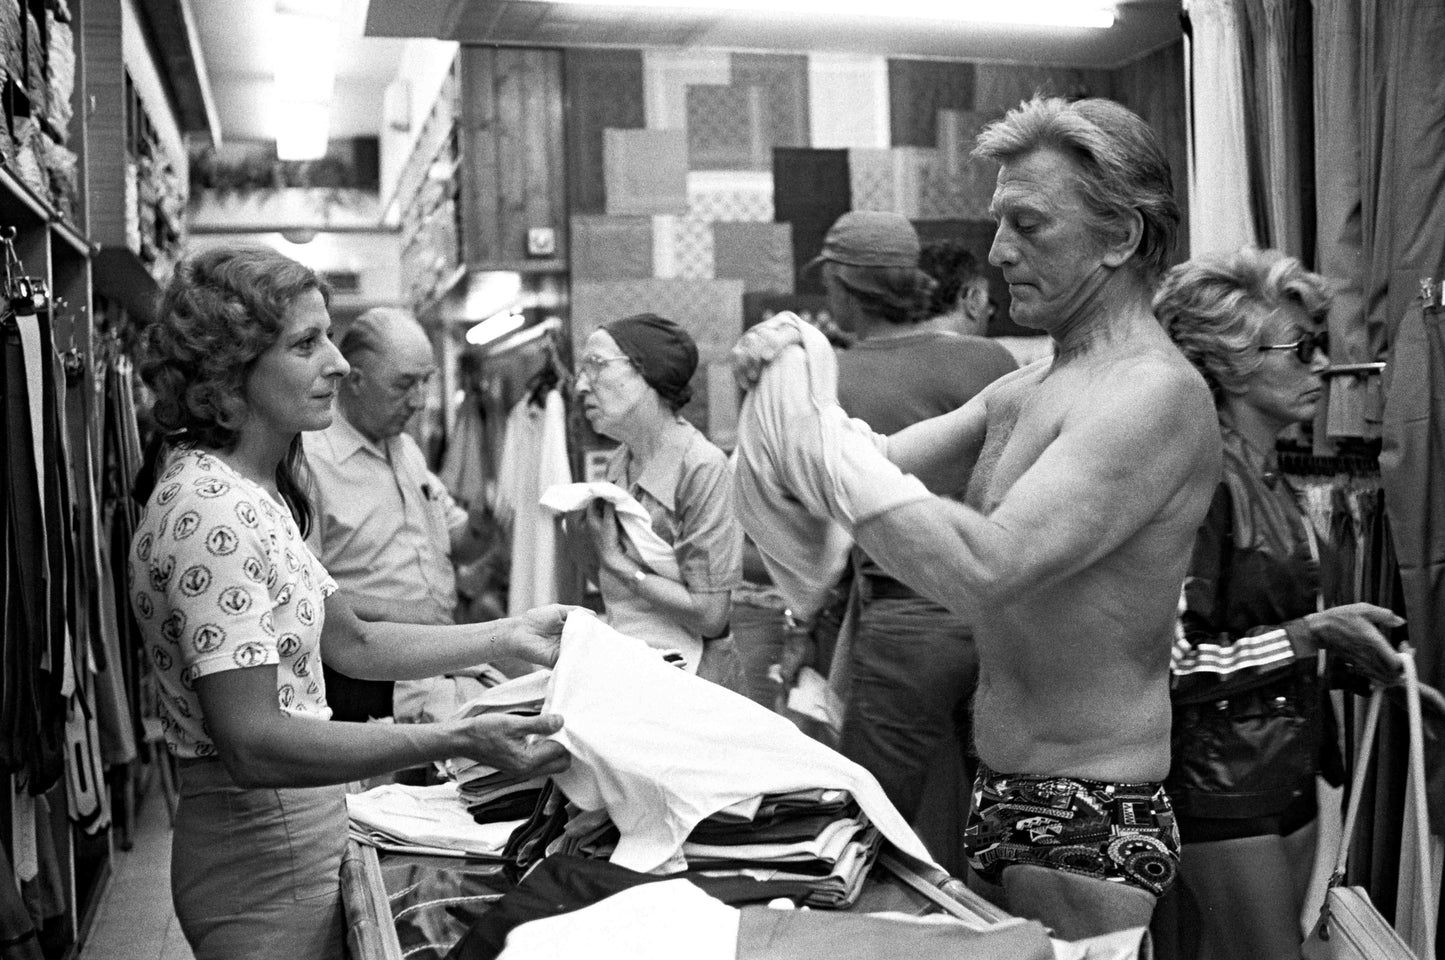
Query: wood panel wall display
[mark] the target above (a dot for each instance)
(646, 171)
(511, 139)
(611, 248)
(847, 100)
(668, 73)
(917, 90)
(758, 254)
(811, 189)
(603, 89)
(1154, 88)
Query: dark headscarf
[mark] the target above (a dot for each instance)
(663, 353)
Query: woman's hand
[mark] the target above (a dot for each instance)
(606, 538)
(760, 346)
(537, 634)
(1353, 631)
(513, 744)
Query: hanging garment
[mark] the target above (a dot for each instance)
(660, 750)
(805, 474)
(463, 467)
(534, 457)
(1220, 216)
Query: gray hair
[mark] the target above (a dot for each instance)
(369, 332)
(1214, 308)
(1122, 167)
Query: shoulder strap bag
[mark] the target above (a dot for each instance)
(1350, 928)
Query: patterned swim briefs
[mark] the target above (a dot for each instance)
(1119, 832)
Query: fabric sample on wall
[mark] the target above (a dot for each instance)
(604, 90)
(784, 80)
(871, 179)
(728, 128)
(759, 254)
(914, 169)
(646, 171)
(917, 90)
(710, 310)
(810, 191)
(682, 248)
(730, 195)
(847, 101)
(668, 73)
(611, 248)
(974, 178)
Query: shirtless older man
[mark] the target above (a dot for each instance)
(1085, 479)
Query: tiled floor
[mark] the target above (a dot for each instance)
(134, 920)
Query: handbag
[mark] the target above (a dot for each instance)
(1349, 927)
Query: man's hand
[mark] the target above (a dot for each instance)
(760, 346)
(1353, 631)
(537, 634)
(513, 744)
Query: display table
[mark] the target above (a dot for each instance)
(418, 907)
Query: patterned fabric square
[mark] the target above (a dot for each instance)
(917, 90)
(722, 405)
(759, 254)
(871, 177)
(646, 171)
(668, 73)
(968, 182)
(847, 101)
(913, 169)
(783, 78)
(810, 191)
(682, 248)
(727, 128)
(710, 310)
(611, 248)
(730, 195)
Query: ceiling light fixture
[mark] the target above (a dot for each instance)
(305, 37)
(495, 327)
(1041, 13)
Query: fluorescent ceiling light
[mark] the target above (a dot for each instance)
(302, 128)
(1042, 13)
(494, 328)
(304, 39)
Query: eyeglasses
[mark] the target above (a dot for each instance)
(1305, 347)
(592, 366)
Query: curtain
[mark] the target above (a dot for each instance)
(1220, 218)
(1278, 94)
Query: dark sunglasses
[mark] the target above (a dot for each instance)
(1305, 347)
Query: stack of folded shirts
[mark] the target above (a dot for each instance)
(816, 846)
(431, 819)
(489, 794)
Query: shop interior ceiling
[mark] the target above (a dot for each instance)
(1141, 26)
(233, 36)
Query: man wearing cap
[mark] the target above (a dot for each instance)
(913, 663)
(1086, 478)
(633, 377)
(385, 526)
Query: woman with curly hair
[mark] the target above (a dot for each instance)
(1248, 720)
(237, 615)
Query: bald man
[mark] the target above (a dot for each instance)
(385, 527)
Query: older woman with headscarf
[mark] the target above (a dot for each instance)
(1248, 718)
(633, 378)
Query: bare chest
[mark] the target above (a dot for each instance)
(1021, 424)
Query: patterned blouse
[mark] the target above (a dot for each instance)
(222, 580)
